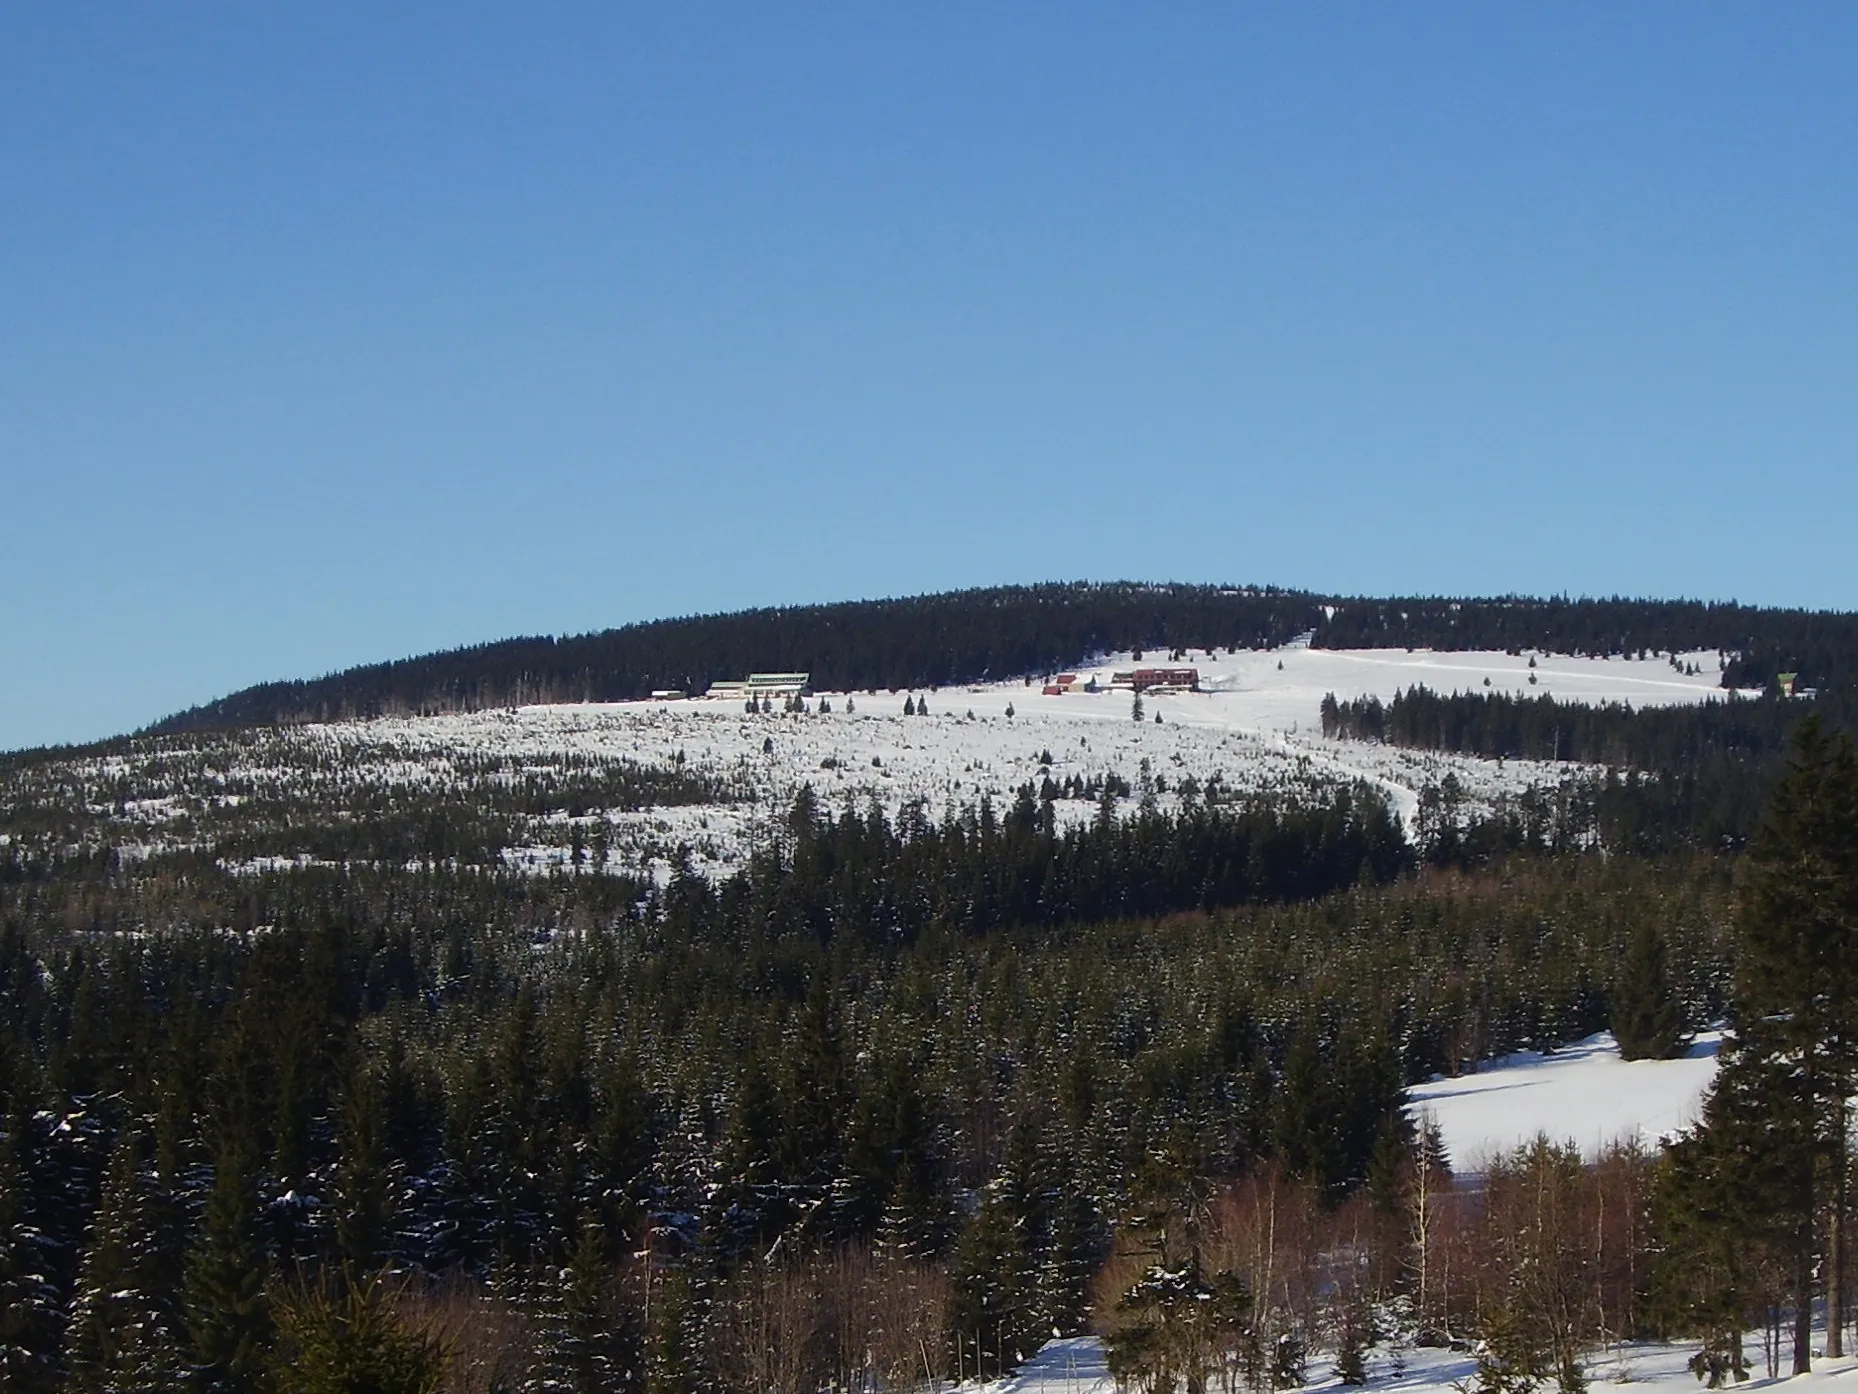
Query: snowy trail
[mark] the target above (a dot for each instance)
(1403, 799)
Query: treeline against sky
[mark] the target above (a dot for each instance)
(1008, 632)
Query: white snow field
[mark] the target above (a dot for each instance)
(1581, 1093)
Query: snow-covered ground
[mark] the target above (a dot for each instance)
(1075, 1366)
(1582, 1093)
(1263, 694)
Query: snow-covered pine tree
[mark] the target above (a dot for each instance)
(584, 1344)
(29, 1308)
(223, 1298)
(123, 1337)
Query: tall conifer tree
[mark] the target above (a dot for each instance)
(1777, 1109)
(122, 1338)
(228, 1316)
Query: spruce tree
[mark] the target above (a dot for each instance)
(346, 1337)
(122, 1338)
(1179, 1321)
(585, 1345)
(672, 1339)
(363, 1180)
(1647, 1018)
(227, 1314)
(1712, 1237)
(1308, 1123)
(991, 1302)
(1777, 1107)
(29, 1315)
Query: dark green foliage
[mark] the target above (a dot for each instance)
(1711, 1268)
(1514, 1358)
(227, 1312)
(1796, 1007)
(994, 1308)
(346, 1338)
(30, 1315)
(588, 1341)
(1683, 775)
(1772, 1149)
(1178, 1323)
(364, 1188)
(673, 1338)
(1647, 1018)
(124, 1334)
(828, 1054)
(1335, 1103)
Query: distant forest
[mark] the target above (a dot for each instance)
(1011, 631)
(1686, 776)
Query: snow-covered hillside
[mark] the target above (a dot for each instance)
(1254, 728)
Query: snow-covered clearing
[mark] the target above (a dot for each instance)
(1582, 1093)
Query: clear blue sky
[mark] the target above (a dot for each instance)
(332, 333)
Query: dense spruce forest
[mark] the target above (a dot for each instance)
(320, 1090)
(595, 1126)
(1691, 776)
(973, 635)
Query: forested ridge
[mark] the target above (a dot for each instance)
(1004, 632)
